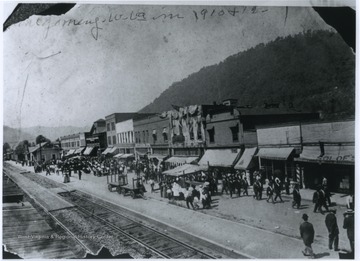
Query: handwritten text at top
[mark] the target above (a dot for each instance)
(97, 23)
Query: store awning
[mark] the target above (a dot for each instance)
(275, 153)
(106, 151)
(125, 156)
(88, 150)
(70, 152)
(181, 160)
(333, 154)
(185, 170)
(118, 155)
(245, 162)
(79, 150)
(157, 156)
(220, 158)
(113, 150)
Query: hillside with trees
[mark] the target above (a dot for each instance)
(313, 71)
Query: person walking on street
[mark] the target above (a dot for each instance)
(296, 196)
(307, 234)
(47, 170)
(190, 198)
(80, 173)
(245, 186)
(270, 192)
(277, 189)
(349, 226)
(332, 227)
(287, 185)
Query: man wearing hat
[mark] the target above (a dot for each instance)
(349, 226)
(307, 233)
(332, 227)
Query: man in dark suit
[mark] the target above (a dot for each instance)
(349, 226)
(307, 233)
(332, 226)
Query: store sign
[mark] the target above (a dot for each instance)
(340, 158)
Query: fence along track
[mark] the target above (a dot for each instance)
(158, 242)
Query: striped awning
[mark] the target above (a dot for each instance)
(125, 156)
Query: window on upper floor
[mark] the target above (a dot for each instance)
(108, 126)
(109, 140)
(113, 126)
(211, 134)
(235, 133)
(114, 140)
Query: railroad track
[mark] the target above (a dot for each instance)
(159, 243)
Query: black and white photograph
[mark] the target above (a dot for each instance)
(179, 130)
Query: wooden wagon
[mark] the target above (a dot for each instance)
(119, 183)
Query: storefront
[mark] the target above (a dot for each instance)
(247, 163)
(277, 162)
(334, 162)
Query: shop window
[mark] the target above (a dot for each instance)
(211, 134)
(235, 133)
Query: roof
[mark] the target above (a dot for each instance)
(258, 111)
(35, 148)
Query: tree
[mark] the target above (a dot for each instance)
(41, 139)
(22, 149)
(6, 147)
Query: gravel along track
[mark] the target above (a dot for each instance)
(120, 226)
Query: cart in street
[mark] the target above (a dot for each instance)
(119, 183)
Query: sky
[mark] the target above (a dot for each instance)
(99, 59)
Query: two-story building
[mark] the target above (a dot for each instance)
(328, 150)
(97, 140)
(74, 143)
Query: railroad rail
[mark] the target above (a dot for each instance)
(161, 244)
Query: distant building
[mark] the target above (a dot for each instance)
(151, 136)
(74, 143)
(96, 141)
(44, 152)
(111, 121)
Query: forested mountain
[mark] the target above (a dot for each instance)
(313, 71)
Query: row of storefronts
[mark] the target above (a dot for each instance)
(274, 141)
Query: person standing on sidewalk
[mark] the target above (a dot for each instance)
(307, 234)
(349, 226)
(332, 226)
(80, 173)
